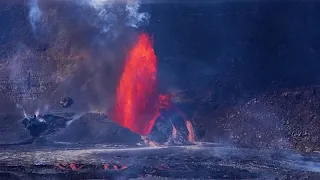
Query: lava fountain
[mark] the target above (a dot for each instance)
(136, 107)
(137, 102)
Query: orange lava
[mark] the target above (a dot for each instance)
(138, 103)
(136, 107)
(191, 135)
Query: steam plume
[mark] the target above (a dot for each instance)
(112, 13)
(34, 14)
(79, 50)
(135, 19)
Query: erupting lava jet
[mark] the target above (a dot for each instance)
(139, 105)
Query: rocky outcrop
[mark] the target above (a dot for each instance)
(287, 118)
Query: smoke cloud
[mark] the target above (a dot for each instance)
(79, 52)
(34, 14)
(111, 13)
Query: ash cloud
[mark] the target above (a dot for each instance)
(78, 52)
(19, 71)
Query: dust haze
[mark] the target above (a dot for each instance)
(68, 48)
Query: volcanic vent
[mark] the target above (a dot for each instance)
(139, 105)
(136, 106)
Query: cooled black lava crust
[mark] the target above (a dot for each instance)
(202, 161)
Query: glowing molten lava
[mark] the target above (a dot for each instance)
(138, 104)
(136, 93)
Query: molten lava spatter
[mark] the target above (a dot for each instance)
(138, 103)
(136, 93)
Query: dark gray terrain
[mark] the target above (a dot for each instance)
(285, 118)
(202, 161)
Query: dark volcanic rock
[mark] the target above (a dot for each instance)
(46, 123)
(12, 131)
(66, 102)
(35, 126)
(161, 131)
(46, 129)
(281, 119)
(202, 161)
(94, 129)
(170, 128)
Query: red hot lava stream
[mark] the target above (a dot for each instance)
(136, 93)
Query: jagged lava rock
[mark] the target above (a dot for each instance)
(95, 129)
